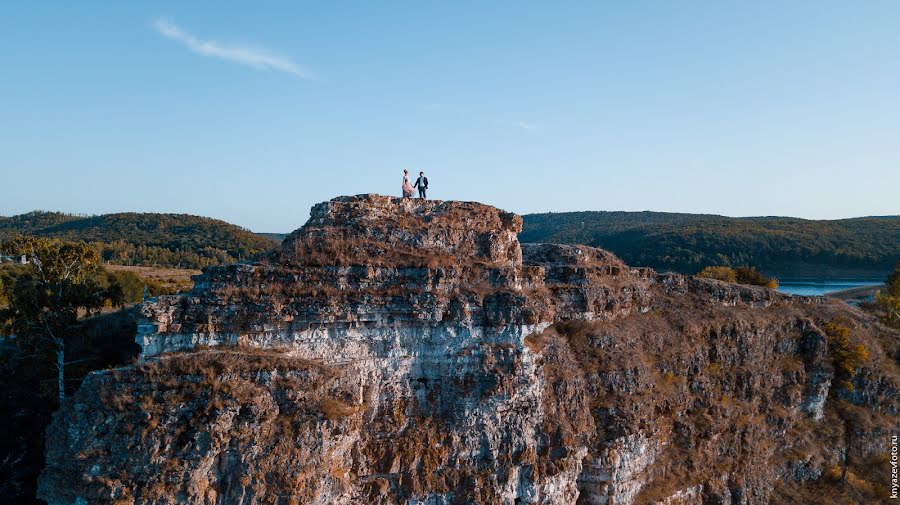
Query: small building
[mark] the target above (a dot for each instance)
(5, 258)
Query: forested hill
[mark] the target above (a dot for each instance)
(866, 247)
(175, 240)
(785, 247)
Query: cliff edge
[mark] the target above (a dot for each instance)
(408, 351)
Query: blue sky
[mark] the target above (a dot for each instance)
(253, 113)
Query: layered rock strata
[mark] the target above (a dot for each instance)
(407, 351)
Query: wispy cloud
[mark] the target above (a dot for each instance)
(256, 57)
(525, 125)
(463, 112)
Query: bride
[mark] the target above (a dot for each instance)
(407, 187)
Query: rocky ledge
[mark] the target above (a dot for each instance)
(407, 351)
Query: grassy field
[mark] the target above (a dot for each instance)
(175, 278)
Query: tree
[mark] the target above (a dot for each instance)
(847, 357)
(892, 284)
(721, 273)
(58, 285)
(740, 275)
(887, 303)
(748, 275)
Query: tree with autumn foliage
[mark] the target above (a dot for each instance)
(740, 275)
(887, 301)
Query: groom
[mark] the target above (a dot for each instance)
(422, 184)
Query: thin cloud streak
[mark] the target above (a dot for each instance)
(438, 107)
(255, 57)
(525, 125)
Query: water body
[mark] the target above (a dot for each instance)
(818, 287)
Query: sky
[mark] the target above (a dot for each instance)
(253, 112)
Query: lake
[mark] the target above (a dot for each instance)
(818, 287)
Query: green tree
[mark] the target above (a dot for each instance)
(58, 285)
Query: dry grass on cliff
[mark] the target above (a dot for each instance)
(423, 448)
(715, 386)
(268, 400)
(219, 360)
(345, 252)
(238, 374)
(864, 483)
(334, 408)
(285, 283)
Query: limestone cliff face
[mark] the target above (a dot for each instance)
(401, 351)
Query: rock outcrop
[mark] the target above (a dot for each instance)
(406, 351)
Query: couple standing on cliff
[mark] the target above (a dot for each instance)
(421, 183)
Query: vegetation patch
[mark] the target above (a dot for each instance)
(740, 275)
(847, 356)
(886, 304)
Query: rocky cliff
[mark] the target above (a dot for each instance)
(405, 351)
